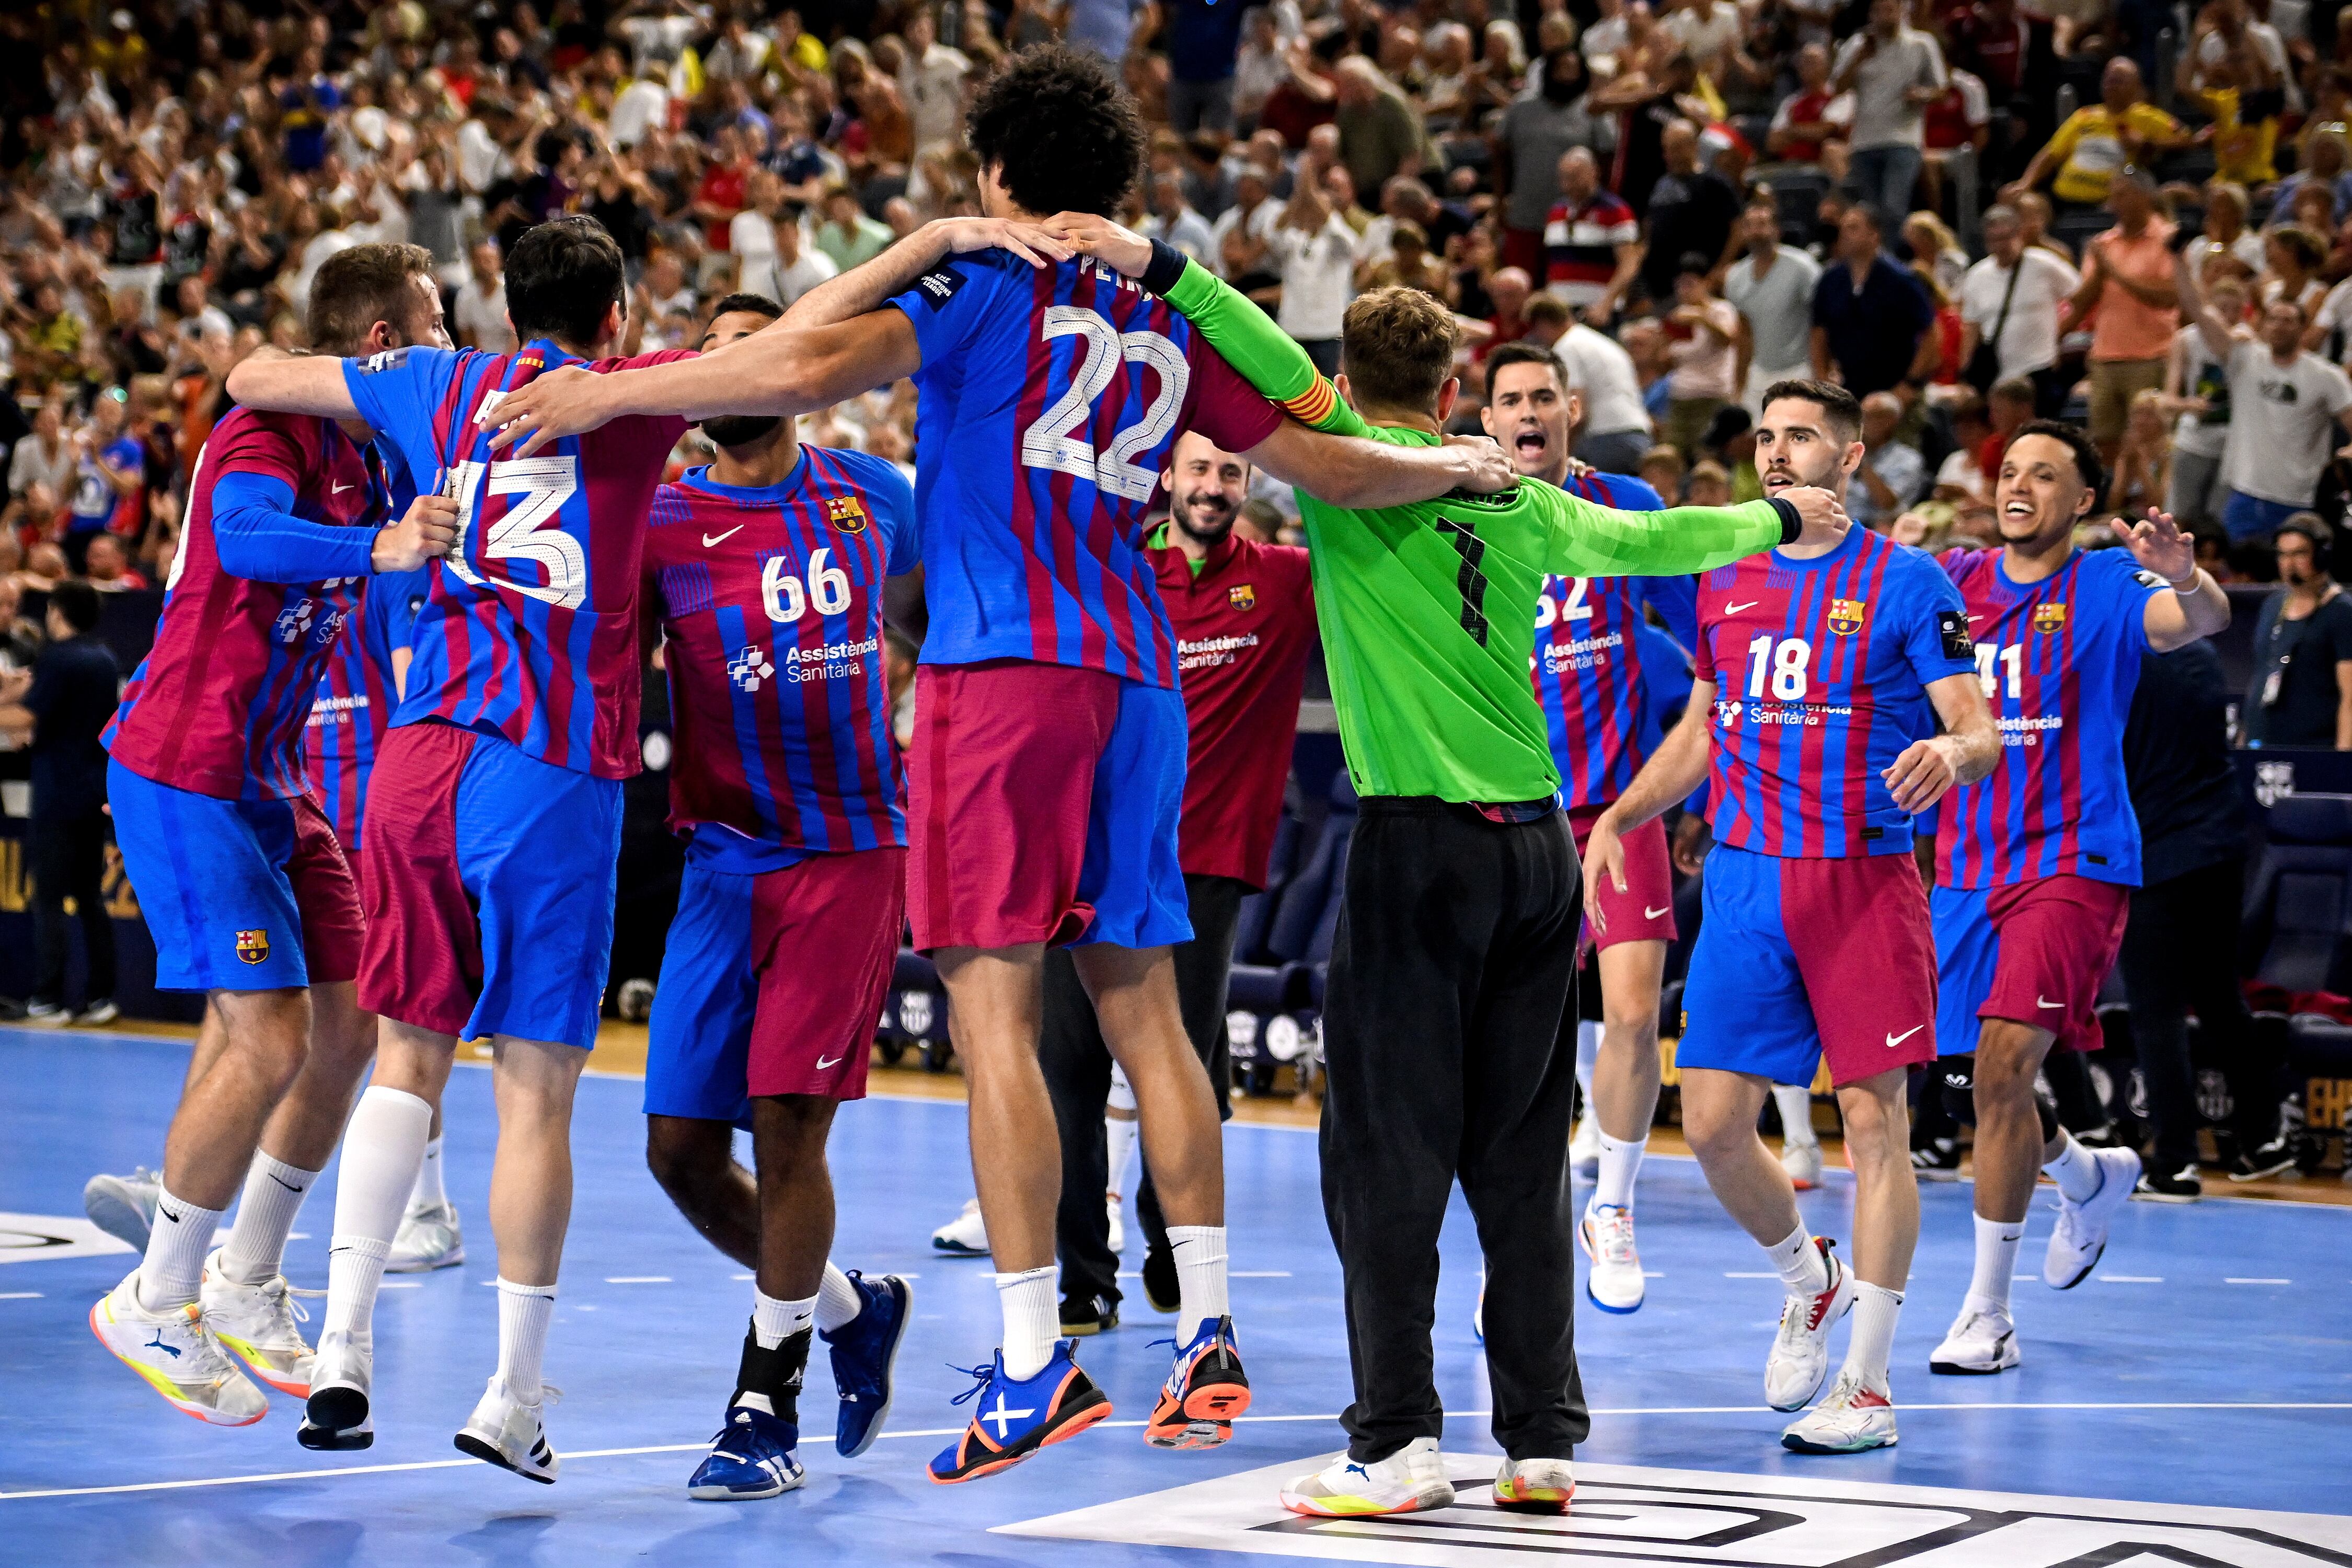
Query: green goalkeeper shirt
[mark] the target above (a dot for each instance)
(1428, 611)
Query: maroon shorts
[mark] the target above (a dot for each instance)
(2058, 937)
(1644, 911)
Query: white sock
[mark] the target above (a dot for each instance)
(1620, 1162)
(524, 1313)
(274, 1192)
(428, 1192)
(1796, 1103)
(1876, 1308)
(1199, 1254)
(2075, 1172)
(774, 1321)
(837, 1301)
(1800, 1262)
(1588, 1053)
(1997, 1244)
(172, 1272)
(1121, 1137)
(382, 1146)
(1033, 1320)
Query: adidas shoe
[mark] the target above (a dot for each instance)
(428, 1239)
(751, 1457)
(1614, 1282)
(1800, 1350)
(1937, 1160)
(123, 1206)
(1205, 1390)
(178, 1356)
(966, 1235)
(2080, 1238)
(1804, 1163)
(1117, 1222)
(1083, 1319)
(1411, 1480)
(505, 1432)
(257, 1324)
(1584, 1146)
(1161, 1285)
(1535, 1486)
(1980, 1343)
(866, 1356)
(1014, 1419)
(336, 1417)
(1854, 1419)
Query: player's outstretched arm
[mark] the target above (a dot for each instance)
(881, 278)
(1589, 540)
(1366, 476)
(1674, 770)
(2196, 606)
(276, 382)
(1966, 752)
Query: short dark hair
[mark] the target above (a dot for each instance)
(1526, 353)
(76, 601)
(1397, 345)
(1062, 133)
(2093, 472)
(750, 304)
(1872, 214)
(561, 277)
(2014, 389)
(356, 289)
(2313, 526)
(1841, 410)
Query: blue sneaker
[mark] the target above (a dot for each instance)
(1016, 1419)
(864, 1350)
(751, 1456)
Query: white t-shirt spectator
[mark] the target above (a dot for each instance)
(1707, 37)
(2202, 434)
(1601, 372)
(28, 465)
(1962, 472)
(641, 106)
(2283, 424)
(1905, 473)
(934, 87)
(2247, 247)
(1261, 220)
(1778, 306)
(754, 237)
(1882, 116)
(482, 317)
(1706, 363)
(1317, 276)
(2029, 342)
(1188, 231)
(664, 36)
(480, 159)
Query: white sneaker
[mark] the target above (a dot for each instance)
(1800, 1350)
(123, 1206)
(1410, 1481)
(504, 1432)
(50, 1015)
(1535, 1486)
(966, 1235)
(178, 1356)
(1804, 1163)
(336, 1416)
(1854, 1419)
(1614, 1282)
(257, 1324)
(1980, 1343)
(1117, 1222)
(1584, 1147)
(98, 1013)
(428, 1239)
(2081, 1234)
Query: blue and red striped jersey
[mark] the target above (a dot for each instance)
(1588, 674)
(1821, 670)
(530, 630)
(356, 697)
(217, 706)
(771, 602)
(1050, 398)
(2060, 659)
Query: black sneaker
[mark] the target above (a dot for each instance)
(2181, 1187)
(1160, 1285)
(1092, 1316)
(2273, 1158)
(1938, 1160)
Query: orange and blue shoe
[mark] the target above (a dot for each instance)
(1205, 1390)
(1017, 1417)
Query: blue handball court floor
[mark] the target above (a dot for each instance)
(2192, 1404)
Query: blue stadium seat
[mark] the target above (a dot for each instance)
(2298, 917)
(1281, 982)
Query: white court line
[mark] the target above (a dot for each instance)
(401, 1285)
(955, 1431)
(638, 1280)
(2131, 1279)
(2234, 1280)
(19, 1295)
(1766, 1273)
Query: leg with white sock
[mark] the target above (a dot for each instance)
(530, 1184)
(429, 1192)
(301, 1133)
(1122, 1132)
(1627, 1074)
(796, 1225)
(1795, 1103)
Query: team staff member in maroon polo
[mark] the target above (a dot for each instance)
(1244, 614)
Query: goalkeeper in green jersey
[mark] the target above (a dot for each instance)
(1455, 948)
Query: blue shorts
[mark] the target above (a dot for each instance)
(239, 895)
(491, 877)
(1968, 953)
(2251, 516)
(1800, 959)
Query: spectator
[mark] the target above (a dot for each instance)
(1548, 321)
(1962, 476)
(1692, 209)
(1204, 46)
(2127, 278)
(2302, 690)
(1172, 218)
(110, 472)
(1380, 135)
(2011, 299)
(480, 316)
(42, 457)
(1772, 288)
(931, 81)
(2143, 472)
(2197, 387)
(1870, 315)
(1892, 474)
(1957, 121)
(1617, 428)
(107, 565)
(777, 261)
(847, 237)
(1314, 249)
(1894, 71)
(1258, 64)
(1662, 469)
(1645, 105)
(1702, 334)
(2324, 160)
(1410, 264)
(1529, 143)
(1593, 242)
(2292, 259)
(2225, 232)
(1935, 252)
(2122, 128)
(1706, 485)
(1813, 125)
(1645, 345)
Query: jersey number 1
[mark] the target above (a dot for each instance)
(1060, 440)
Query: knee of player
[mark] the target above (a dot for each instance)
(1636, 1025)
(2005, 1068)
(681, 1159)
(1714, 1131)
(1875, 1124)
(271, 1028)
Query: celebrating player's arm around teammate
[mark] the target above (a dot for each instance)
(764, 573)
(1048, 763)
(1456, 953)
(1821, 671)
(2034, 865)
(240, 877)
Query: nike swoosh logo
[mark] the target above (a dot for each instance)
(1735, 609)
(710, 539)
(822, 1064)
(2040, 1002)
(339, 489)
(1894, 1040)
(1649, 914)
(1973, 619)
(284, 1183)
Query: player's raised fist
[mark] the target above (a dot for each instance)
(428, 531)
(1485, 466)
(1821, 516)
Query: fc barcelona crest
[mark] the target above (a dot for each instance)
(1242, 596)
(1845, 615)
(846, 513)
(2050, 617)
(253, 946)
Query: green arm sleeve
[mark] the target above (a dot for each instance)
(1589, 540)
(1262, 352)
